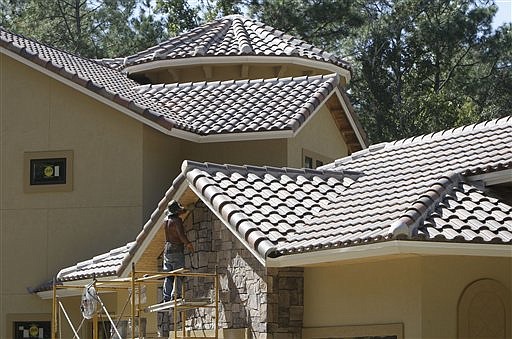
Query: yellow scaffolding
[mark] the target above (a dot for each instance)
(134, 283)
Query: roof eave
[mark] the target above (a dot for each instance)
(389, 248)
(247, 136)
(492, 178)
(85, 91)
(238, 59)
(174, 132)
(352, 118)
(226, 222)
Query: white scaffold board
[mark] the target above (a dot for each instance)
(178, 303)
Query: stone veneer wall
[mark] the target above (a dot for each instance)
(268, 302)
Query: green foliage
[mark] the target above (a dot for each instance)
(324, 23)
(423, 66)
(85, 27)
(148, 29)
(178, 15)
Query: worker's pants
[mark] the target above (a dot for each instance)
(174, 258)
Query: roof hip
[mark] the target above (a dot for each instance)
(407, 225)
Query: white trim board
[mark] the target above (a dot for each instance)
(388, 248)
(226, 60)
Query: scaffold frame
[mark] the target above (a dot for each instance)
(134, 283)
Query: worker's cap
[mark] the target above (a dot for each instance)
(174, 207)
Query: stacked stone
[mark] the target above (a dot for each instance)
(285, 302)
(268, 302)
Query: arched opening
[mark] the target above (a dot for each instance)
(484, 311)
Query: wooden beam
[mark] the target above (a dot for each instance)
(174, 74)
(244, 71)
(280, 71)
(347, 131)
(208, 71)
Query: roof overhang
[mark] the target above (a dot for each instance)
(234, 60)
(74, 288)
(226, 223)
(378, 250)
(85, 91)
(493, 178)
(350, 118)
(174, 132)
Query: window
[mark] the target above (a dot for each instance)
(48, 171)
(32, 329)
(308, 162)
(483, 310)
(314, 160)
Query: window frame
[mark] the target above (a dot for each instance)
(28, 157)
(315, 158)
(12, 318)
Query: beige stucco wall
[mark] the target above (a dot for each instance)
(420, 292)
(259, 152)
(320, 135)
(162, 158)
(44, 232)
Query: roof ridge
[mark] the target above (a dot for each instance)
(356, 155)
(39, 43)
(503, 121)
(500, 166)
(187, 165)
(407, 224)
(247, 36)
(453, 131)
(175, 40)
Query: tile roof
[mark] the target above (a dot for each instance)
(233, 35)
(206, 108)
(467, 214)
(397, 193)
(412, 189)
(100, 266)
(115, 63)
(244, 105)
(114, 262)
(105, 81)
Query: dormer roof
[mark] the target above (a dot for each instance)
(232, 36)
(199, 112)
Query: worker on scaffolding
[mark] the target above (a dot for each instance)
(174, 256)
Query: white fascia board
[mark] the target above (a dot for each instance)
(61, 293)
(249, 136)
(66, 292)
(220, 60)
(74, 289)
(149, 237)
(350, 118)
(228, 137)
(85, 91)
(395, 247)
(174, 132)
(228, 225)
(493, 178)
